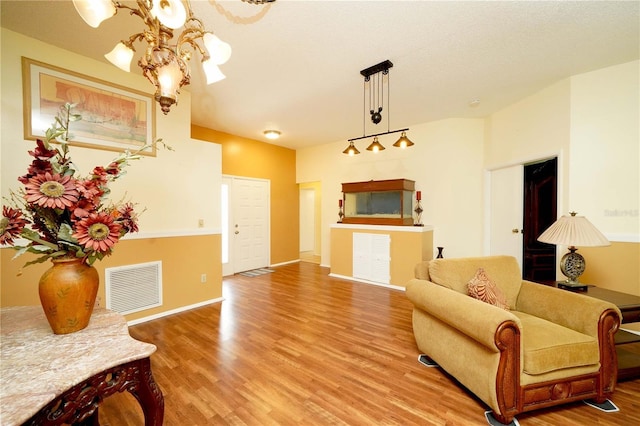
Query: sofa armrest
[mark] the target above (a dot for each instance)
(421, 270)
(573, 310)
(476, 319)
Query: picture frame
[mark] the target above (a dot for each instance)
(114, 118)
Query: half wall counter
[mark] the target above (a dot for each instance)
(379, 254)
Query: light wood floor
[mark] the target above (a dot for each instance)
(296, 347)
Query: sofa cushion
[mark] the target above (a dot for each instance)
(550, 347)
(456, 273)
(482, 288)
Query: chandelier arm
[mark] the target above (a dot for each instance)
(190, 36)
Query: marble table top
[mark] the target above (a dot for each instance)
(36, 365)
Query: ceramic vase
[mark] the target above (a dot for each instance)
(68, 293)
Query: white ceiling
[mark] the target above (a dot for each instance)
(296, 64)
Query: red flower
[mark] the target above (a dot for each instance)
(97, 232)
(11, 224)
(53, 191)
(128, 217)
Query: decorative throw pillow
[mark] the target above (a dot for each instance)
(482, 288)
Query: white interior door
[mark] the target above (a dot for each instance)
(307, 219)
(247, 227)
(506, 214)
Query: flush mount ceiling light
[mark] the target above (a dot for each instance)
(271, 134)
(374, 77)
(164, 64)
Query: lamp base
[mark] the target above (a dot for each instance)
(565, 285)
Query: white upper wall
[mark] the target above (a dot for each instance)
(605, 149)
(177, 188)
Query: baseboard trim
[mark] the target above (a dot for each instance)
(390, 286)
(174, 311)
(284, 263)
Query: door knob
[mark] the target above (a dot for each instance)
(237, 232)
(515, 230)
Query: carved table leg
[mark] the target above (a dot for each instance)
(148, 394)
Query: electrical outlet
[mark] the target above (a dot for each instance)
(203, 278)
(200, 223)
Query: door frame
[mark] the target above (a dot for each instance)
(522, 162)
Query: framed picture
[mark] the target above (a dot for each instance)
(114, 118)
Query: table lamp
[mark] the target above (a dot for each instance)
(573, 231)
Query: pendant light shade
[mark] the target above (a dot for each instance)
(403, 141)
(375, 146)
(219, 51)
(171, 13)
(93, 12)
(212, 72)
(351, 150)
(121, 56)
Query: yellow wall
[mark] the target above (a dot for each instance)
(251, 158)
(177, 188)
(184, 260)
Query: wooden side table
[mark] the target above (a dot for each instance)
(49, 379)
(629, 305)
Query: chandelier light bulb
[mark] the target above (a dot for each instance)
(219, 51)
(170, 13)
(93, 12)
(121, 56)
(169, 78)
(212, 72)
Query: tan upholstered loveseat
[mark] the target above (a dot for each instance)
(552, 346)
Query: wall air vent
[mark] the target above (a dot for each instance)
(134, 288)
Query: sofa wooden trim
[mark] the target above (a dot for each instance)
(514, 399)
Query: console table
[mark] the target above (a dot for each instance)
(49, 379)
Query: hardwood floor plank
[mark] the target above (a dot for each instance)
(297, 347)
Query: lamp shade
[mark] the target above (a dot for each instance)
(375, 146)
(403, 142)
(212, 72)
(573, 231)
(170, 13)
(351, 150)
(121, 56)
(219, 51)
(93, 12)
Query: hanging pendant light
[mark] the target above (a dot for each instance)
(376, 106)
(403, 142)
(351, 150)
(375, 146)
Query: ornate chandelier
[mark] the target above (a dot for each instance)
(165, 65)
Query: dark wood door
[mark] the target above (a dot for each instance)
(540, 211)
